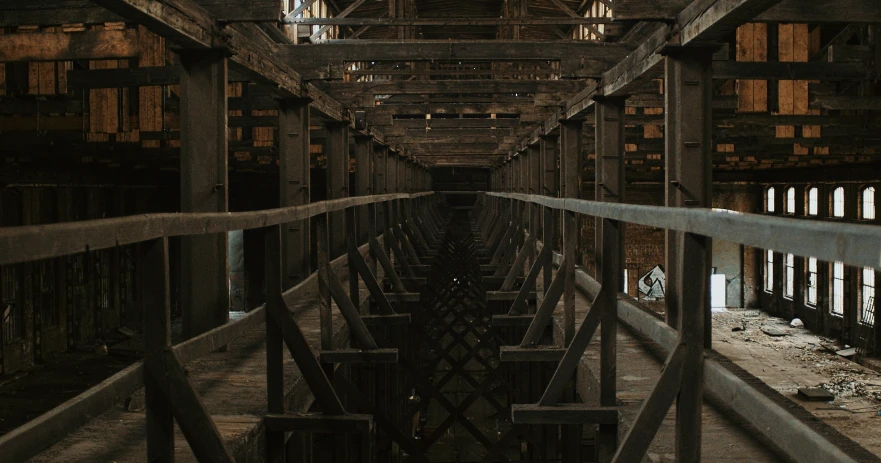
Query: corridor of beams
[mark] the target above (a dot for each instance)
(440, 231)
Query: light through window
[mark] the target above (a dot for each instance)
(838, 202)
(812, 281)
(769, 200)
(838, 288)
(813, 201)
(789, 263)
(790, 200)
(868, 293)
(869, 203)
(769, 271)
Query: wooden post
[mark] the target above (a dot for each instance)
(275, 443)
(609, 253)
(363, 182)
(690, 145)
(549, 180)
(204, 188)
(294, 187)
(570, 168)
(337, 152)
(156, 307)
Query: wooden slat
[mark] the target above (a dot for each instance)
(62, 46)
(563, 414)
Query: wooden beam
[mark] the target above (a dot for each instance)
(405, 87)
(789, 71)
(439, 22)
(449, 50)
(563, 414)
(67, 46)
(347, 423)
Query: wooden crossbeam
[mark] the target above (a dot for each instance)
(382, 301)
(654, 409)
(342, 14)
(530, 354)
(419, 87)
(68, 46)
(427, 50)
(546, 310)
(510, 295)
(387, 267)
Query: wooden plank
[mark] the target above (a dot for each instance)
(509, 295)
(563, 414)
(348, 423)
(386, 320)
(545, 311)
(157, 337)
(63, 46)
(512, 320)
(723, 70)
(529, 354)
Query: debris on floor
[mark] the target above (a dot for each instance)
(817, 394)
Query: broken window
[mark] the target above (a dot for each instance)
(868, 313)
(789, 263)
(838, 288)
(812, 281)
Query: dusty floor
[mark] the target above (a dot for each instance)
(803, 359)
(26, 395)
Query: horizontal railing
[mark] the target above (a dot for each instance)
(36, 242)
(852, 244)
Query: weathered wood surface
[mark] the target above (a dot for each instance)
(63, 46)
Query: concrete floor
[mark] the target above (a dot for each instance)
(800, 359)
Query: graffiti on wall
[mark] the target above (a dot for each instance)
(653, 284)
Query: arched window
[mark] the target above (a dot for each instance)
(812, 281)
(769, 199)
(813, 201)
(838, 202)
(868, 203)
(790, 200)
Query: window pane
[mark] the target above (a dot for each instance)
(838, 202)
(769, 271)
(869, 203)
(769, 199)
(838, 288)
(790, 200)
(812, 281)
(868, 297)
(790, 275)
(813, 201)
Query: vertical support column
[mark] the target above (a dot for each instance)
(273, 257)
(294, 187)
(535, 177)
(156, 301)
(204, 188)
(609, 253)
(380, 177)
(549, 180)
(363, 182)
(570, 168)
(337, 152)
(799, 262)
(690, 145)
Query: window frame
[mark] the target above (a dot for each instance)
(790, 200)
(865, 289)
(769, 271)
(813, 202)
